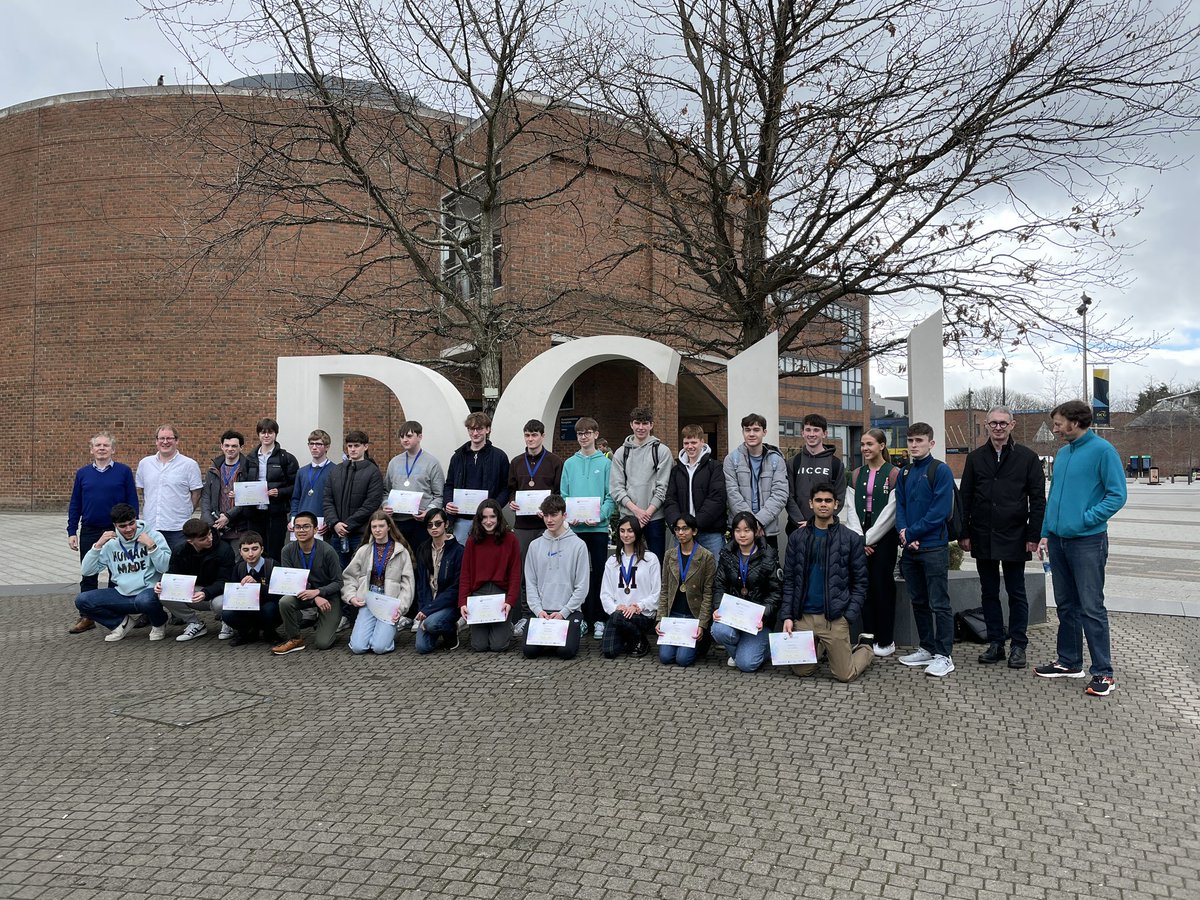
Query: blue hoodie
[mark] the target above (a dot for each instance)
(921, 512)
(131, 567)
(587, 476)
(1086, 490)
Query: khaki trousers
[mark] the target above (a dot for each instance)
(833, 642)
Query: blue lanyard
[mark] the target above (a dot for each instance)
(626, 573)
(306, 559)
(408, 470)
(131, 553)
(532, 472)
(683, 569)
(744, 565)
(314, 480)
(380, 562)
(232, 472)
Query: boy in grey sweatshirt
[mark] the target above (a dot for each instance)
(556, 578)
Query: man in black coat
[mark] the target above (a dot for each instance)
(696, 486)
(1003, 495)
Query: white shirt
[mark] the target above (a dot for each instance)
(167, 488)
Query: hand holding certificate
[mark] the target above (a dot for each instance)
(795, 649)
(529, 503)
(583, 509)
(242, 596)
(547, 632)
(676, 632)
(383, 607)
(468, 500)
(285, 581)
(484, 609)
(741, 614)
(249, 493)
(179, 588)
(404, 503)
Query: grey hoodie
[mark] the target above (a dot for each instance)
(638, 479)
(556, 573)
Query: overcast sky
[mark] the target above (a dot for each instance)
(64, 46)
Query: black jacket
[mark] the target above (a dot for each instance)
(353, 491)
(448, 575)
(281, 474)
(845, 573)
(485, 469)
(1003, 501)
(212, 567)
(763, 579)
(708, 494)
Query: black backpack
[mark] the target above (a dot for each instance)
(954, 521)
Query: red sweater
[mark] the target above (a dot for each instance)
(489, 561)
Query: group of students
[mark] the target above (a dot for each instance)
(334, 521)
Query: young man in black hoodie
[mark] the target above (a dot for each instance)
(353, 490)
(211, 561)
(696, 486)
(476, 465)
(816, 463)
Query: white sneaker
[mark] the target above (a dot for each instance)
(462, 623)
(158, 632)
(731, 662)
(226, 632)
(343, 624)
(193, 631)
(404, 622)
(598, 631)
(921, 657)
(519, 627)
(583, 629)
(416, 626)
(126, 626)
(880, 650)
(940, 667)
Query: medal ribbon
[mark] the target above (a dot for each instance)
(380, 562)
(626, 572)
(532, 472)
(744, 565)
(408, 470)
(683, 569)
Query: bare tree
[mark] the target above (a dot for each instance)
(405, 132)
(803, 155)
(990, 395)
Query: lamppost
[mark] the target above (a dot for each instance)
(1003, 382)
(1082, 310)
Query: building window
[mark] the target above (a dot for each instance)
(460, 230)
(852, 389)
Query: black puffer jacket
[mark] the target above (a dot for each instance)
(845, 573)
(281, 475)
(353, 491)
(763, 579)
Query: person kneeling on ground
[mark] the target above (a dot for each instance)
(323, 592)
(135, 558)
(439, 566)
(253, 568)
(383, 564)
(556, 578)
(211, 561)
(748, 568)
(824, 585)
(686, 589)
(491, 565)
(629, 592)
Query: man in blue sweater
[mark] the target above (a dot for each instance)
(99, 486)
(1087, 489)
(922, 507)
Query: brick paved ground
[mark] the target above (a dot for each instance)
(466, 776)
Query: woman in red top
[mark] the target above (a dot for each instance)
(491, 565)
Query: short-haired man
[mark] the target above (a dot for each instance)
(414, 470)
(211, 562)
(135, 558)
(923, 504)
(308, 494)
(1003, 493)
(354, 491)
(696, 486)
(556, 578)
(1087, 488)
(253, 568)
(638, 478)
(170, 485)
(217, 506)
(824, 586)
(756, 478)
(99, 486)
(324, 589)
(536, 469)
(585, 474)
(816, 463)
(275, 466)
(478, 466)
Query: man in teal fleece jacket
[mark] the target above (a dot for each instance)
(1087, 489)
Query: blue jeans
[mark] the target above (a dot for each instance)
(462, 529)
(748, 650)
(175, 539)
(655, 534)
(1077, 567)
(677, 656)
(371, 633)
(712, 541)
(109, 607)
(443, 624)
(924, 573)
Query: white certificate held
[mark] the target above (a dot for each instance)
(583, 509)
(677, 632)
(250, 493)
(468, 501)
(178, 587)
(529, 503)
(404, 503)
(741, 614)
(382, 607)
(795, 649)
(285, 581)
(547, 632)
(320, 525)
(483, 609)
(242, 596)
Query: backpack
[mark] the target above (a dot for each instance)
(970, 626)
(954, 521)
(653, 454)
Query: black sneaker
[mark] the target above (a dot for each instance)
(1058, 670)
(1101, 686)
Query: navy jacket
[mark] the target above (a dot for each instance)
(448, 574)
(482, 470)
(845, 572)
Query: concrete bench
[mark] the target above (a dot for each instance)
(964, 594)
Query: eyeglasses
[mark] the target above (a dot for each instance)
(302, 527)
(681, 527)
(437, 523)
(999, 424)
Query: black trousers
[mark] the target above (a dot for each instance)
(565, 652)
(879, 609)
(1018, 603)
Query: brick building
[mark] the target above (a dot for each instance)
(104, 333)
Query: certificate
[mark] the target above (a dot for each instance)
(468, 501)
(583, 509)
(529, 503)
(547, 632)
(404, 503)
(740, 614)
(242, 596)
(178, 587)
(677, 632)
(382, 607)
(795, 649)
(320, 524)
(288, 581)
(250, 493)
(483, 609)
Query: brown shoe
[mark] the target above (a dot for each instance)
(289, 646)
(81, 626)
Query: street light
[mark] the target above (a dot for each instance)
(1003, 382)
(1082, 310)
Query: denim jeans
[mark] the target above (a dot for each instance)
(712, 541)
(1077, 567)
(748, 650)
(372, 634)
(676, 656)
(655, 534)
(1018, 603)
(441, 624)
(109, 607)
(462, 529)
(175, 539)
(924, 573)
